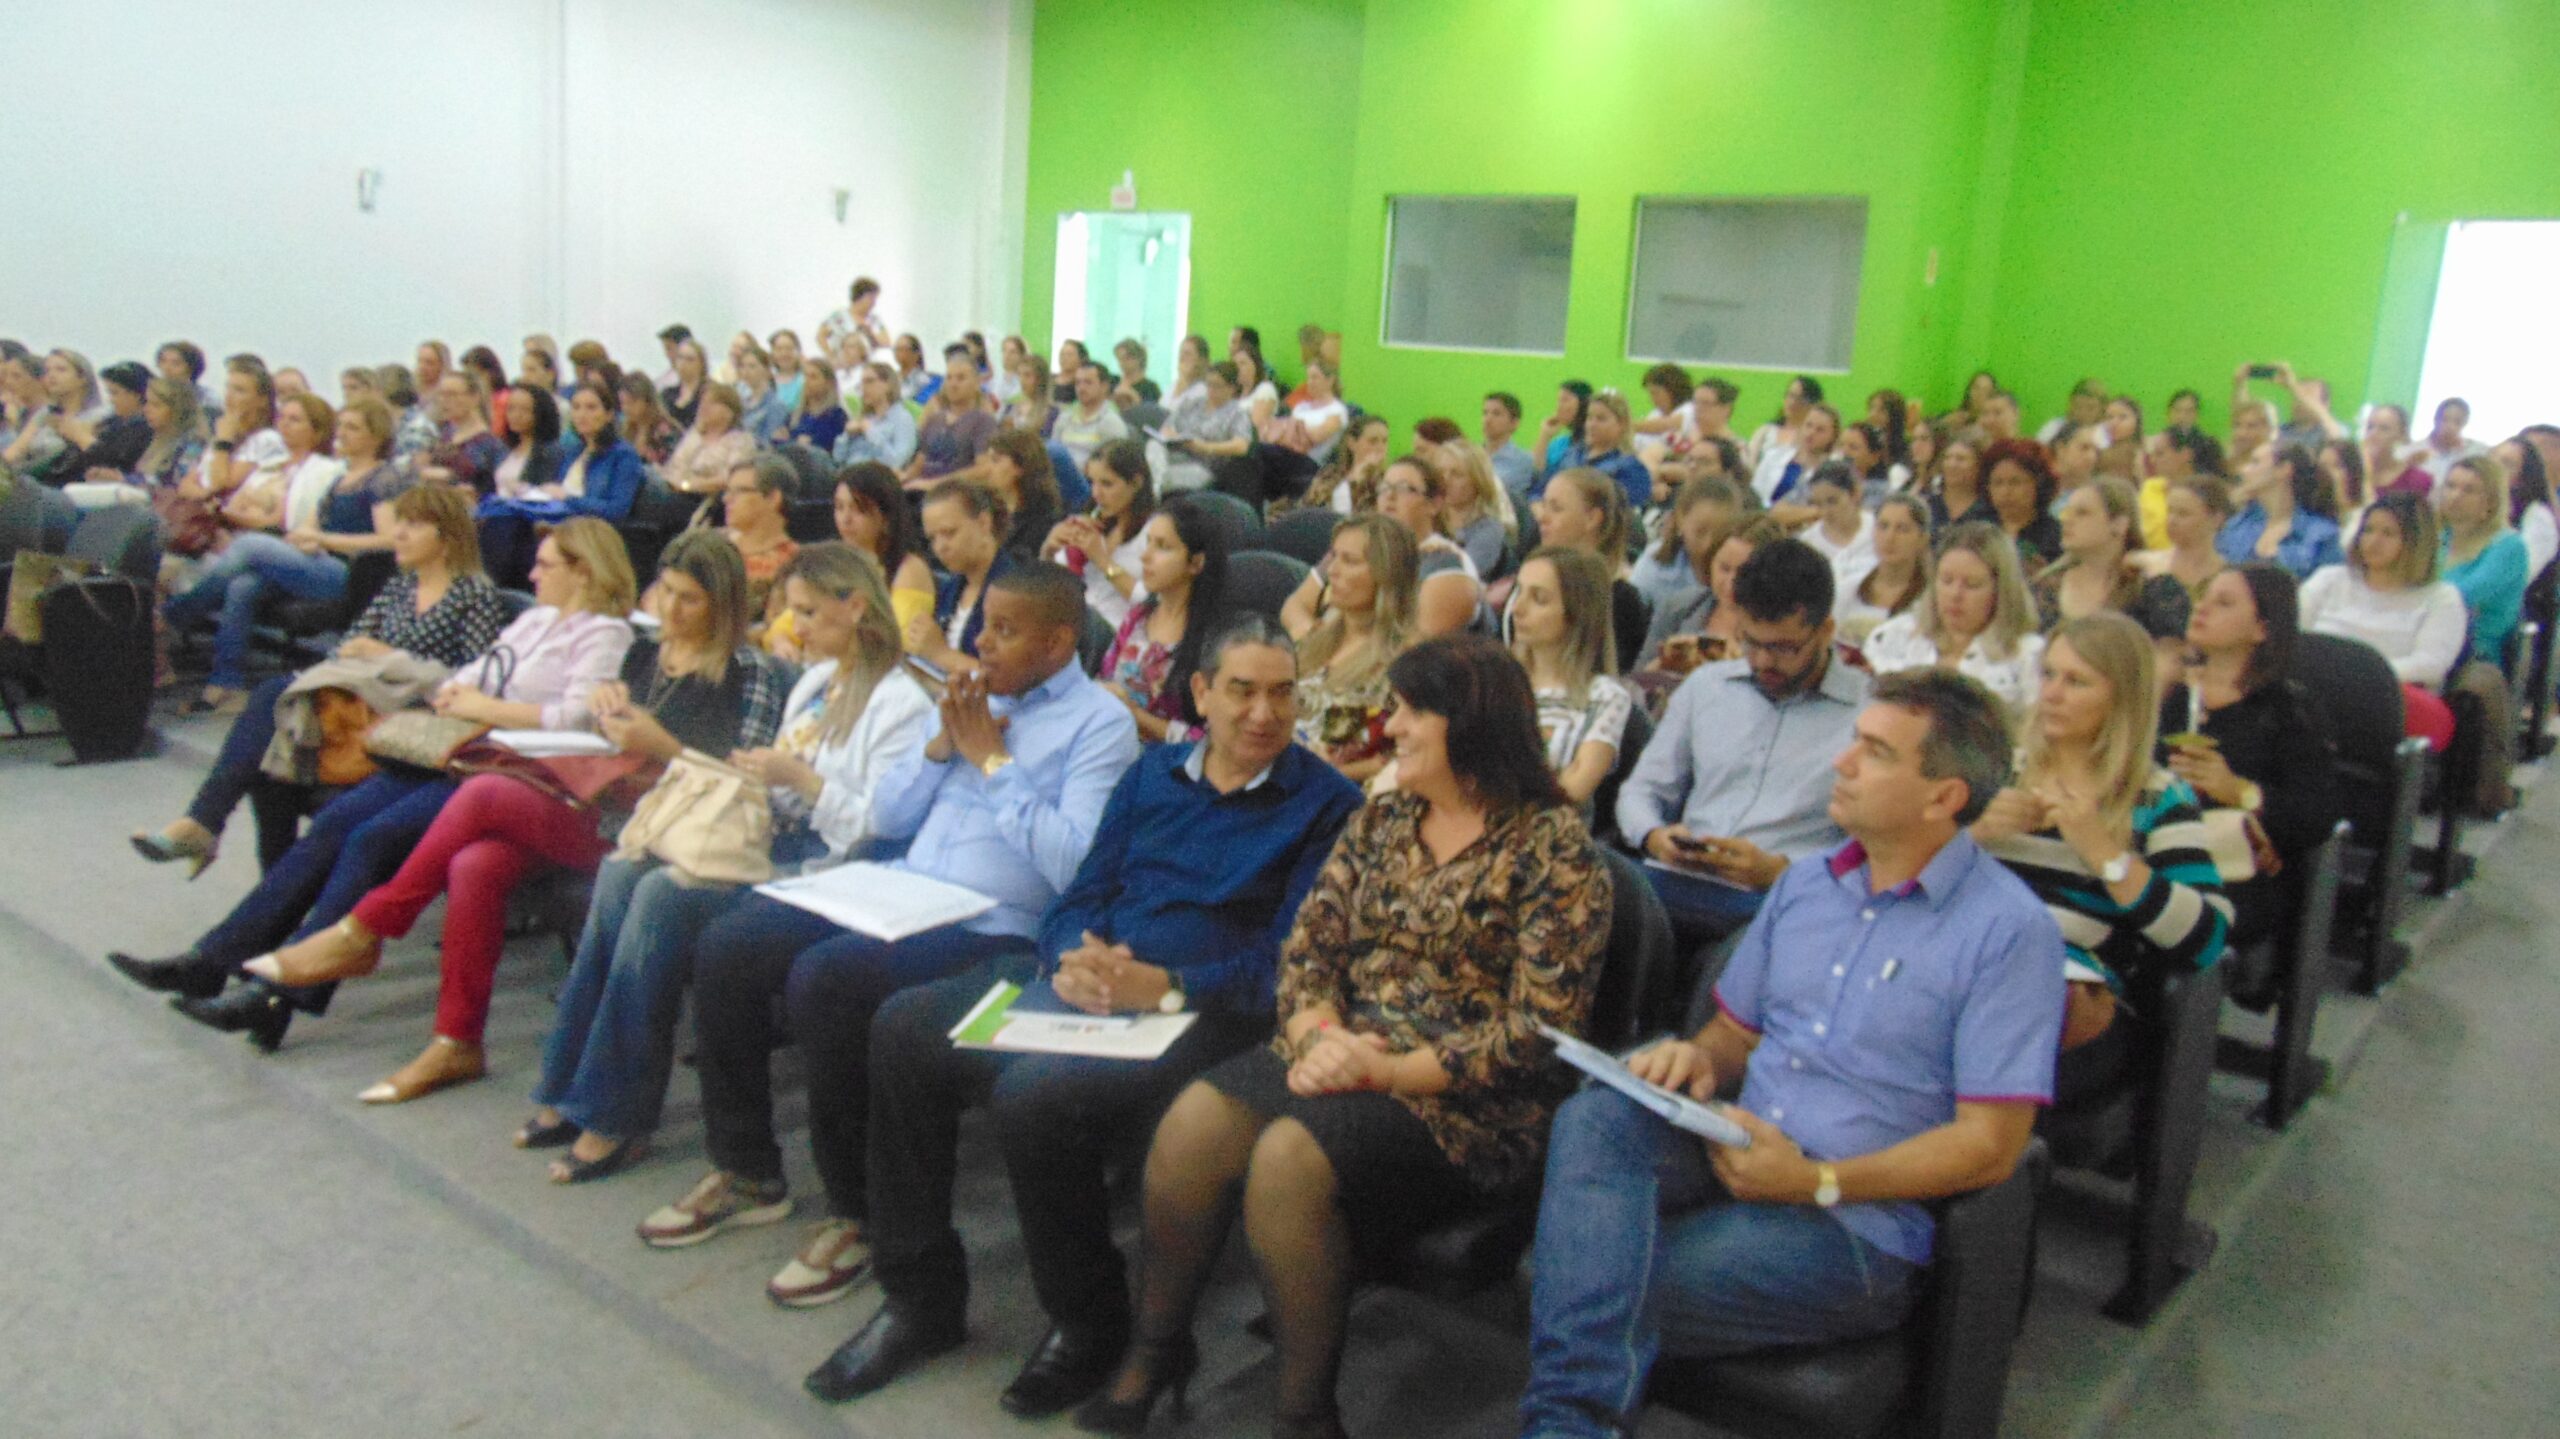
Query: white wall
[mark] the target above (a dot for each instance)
(576, 166)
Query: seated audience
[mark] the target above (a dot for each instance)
(1133, 388)
(762, 414)
(1413, 493)
(1198, 870)
(962, 520)
(1360, 617)
(2108, 839)
(1732, 787)
(1475, 510)
(1560, 635)
(700, 688)
(755, 503)
(2483, 555)
(2244, 736)
(854, 713)
(1515, 467)
(175, 412)
(1843, 533)
(1091, 422)
(791, 376)
(713, 447)
(1900, 578)
(599, 476)
(1702, 628)
(2390, 594)
(532, 463)
(439, 608)
(2529, 501)
(959, 423)
(1606, 425)
(64, 411)
(1104, 547)
(1674, 571)
(1021, 472)
(646, 425)
(2390, 462)
(1207, 423)
(1407, 1082)
(2021, 489)
(1560, 431)
(858, 317)
(2197, 507)
(1979, 621)
(1316, 418)
(1005, 799)
(1349, 481)
(2285, 513)
(1190, 371)
(1860, 1110)
(2096, 570)
(1584, 509)
(1181, 577)
(1957, 494)
(818, 417)
(541, 673)
(1772, 447)
(883, 430)
(107, 450)
(692, 372)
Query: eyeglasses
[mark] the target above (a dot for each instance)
(1410, 492)
(1781, 650)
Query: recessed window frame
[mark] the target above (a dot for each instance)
(1635, 288)
(1387, 276)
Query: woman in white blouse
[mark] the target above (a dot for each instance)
(2389, 593)
(1560, 630)
(1900, 577)
(1979, 620)
(1107, 545)
(851, 716)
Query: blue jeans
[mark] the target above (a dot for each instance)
(355, 842)
(233, 584)
(605, 1064)
(235, 769)
(1702, 910)
(1641, 1252)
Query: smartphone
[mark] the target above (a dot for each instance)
(2262, 372)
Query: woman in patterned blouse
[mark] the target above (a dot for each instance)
(699, 686)
(438, 607)
(1182, 577)
(1408, 1080)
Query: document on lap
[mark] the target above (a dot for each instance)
(874, 899)
(552, 743)
(1033, 1020)
(1705, 1120)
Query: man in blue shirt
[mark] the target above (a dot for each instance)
(1512, 465)
(1193, 881)
(1004, 800)
(1733, 785)
(1889, 1024)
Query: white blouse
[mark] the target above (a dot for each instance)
(1897, 644)
(2419, 630)
(898, 720)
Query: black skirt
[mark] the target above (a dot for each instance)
(1392, 1179)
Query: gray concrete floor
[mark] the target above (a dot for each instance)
(211, 1243)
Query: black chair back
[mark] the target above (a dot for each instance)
(1234, 522)
(815, 479)
(1638, 996)
(1303, 535)
(1093, 643)
(1260, 582)
(21, 520)
(1604, 800)
(2359, 697)
(810, 522)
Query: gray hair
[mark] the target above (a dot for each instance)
(1244, 630)
(1968, 731)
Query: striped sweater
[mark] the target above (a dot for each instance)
(2180, 918)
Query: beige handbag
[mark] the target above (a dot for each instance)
(420, 739)
(709, 821)
(30, 575)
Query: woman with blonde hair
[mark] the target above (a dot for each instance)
(854, 711)
(1979, 620)
(1584, 509)
(817, 416)
(1560, 634)
(541, 673)
(1034, 404)
(2101, 529)
(714, 446)
(1476, 509)
(175, 411)
(2110, 841)
(1362, 619)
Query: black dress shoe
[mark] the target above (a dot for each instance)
(190, 974)
(257, 1010)
(890, 1345)
(1069, 1367)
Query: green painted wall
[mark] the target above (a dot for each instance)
(2192, 193)
(1240, 113)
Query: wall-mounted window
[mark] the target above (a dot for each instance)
(1478, 272)
(1762, 283)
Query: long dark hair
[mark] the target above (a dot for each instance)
(1581, 391)
(1128, 460)
(546, 416)
(1474, 683)
(876, 487)
(1201, 536)
(2310, 487)
(2277, 597)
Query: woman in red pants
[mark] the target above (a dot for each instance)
(698, 686)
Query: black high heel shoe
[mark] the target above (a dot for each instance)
(1169, 1365)
(260, 1011)
(189, 974)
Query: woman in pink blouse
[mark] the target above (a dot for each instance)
(1182, 580)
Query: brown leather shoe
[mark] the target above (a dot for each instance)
(444, 1063)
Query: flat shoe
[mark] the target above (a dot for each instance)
(538, 1135)
(445, 1063)
(342, 951)
(570, 1169)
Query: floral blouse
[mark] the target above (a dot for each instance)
(1464, 959)
(1344, 724)
(1139, 665)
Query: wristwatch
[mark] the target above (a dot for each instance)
(1826, 1185)
(2114, 870)
(1174, 1001)
(993, 763)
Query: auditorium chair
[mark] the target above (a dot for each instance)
(1943, 1375)
(1260, 582)
(2541, 625)
(2380, 773)
(2301, 961)
(1234, 522)
(1604, 800)
(1303, 535)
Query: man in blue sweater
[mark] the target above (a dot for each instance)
(1194, 879)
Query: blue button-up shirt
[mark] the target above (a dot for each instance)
(2310, 543)
(1726, 762)
(1019, 836)
(1878, 1012)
